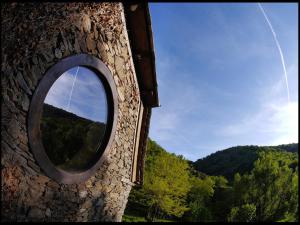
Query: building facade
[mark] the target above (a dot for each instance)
(39, 39)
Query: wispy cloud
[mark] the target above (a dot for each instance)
(71, 92)
(279, 49)
(85, 97)
(275, 120)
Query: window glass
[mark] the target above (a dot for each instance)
(74, 119)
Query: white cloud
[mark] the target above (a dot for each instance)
(88, 97)
(275, 120)
(276, 123)
(285, 124)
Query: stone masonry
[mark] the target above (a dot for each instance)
(34, 37)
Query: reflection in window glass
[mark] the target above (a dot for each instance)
(74, 119)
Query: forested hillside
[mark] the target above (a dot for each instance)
(70, 140)
(264, 186)
(236, 159)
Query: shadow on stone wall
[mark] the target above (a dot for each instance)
(37, 35)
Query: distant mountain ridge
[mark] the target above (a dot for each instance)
(52, 111)
(236, 159)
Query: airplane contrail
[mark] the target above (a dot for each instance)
(72, 89)
(279, 49)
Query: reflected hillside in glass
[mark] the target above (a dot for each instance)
(74, 119)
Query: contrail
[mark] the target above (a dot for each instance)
(279, 49)
(72, 88)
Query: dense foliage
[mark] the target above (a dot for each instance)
(270, 191)
(264, 186)
(166, 184)
(239, 159)
(69, 140)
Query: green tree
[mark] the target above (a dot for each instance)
(272, 187)
(199, 197)
(221, 201)
(166, 184)
(246, 213)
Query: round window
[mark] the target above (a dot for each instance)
(72, 118)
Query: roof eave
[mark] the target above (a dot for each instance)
(139, 28)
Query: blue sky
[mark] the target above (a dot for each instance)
(87, 97)
(220, 77)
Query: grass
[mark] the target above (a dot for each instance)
(130, 218)
(134, 218)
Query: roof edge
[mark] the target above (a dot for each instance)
(138, 22)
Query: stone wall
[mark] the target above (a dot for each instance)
(34, 37)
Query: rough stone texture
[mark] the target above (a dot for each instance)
(34, 37)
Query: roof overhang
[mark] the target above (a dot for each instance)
(138, 24)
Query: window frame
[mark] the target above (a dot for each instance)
(36, 109)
